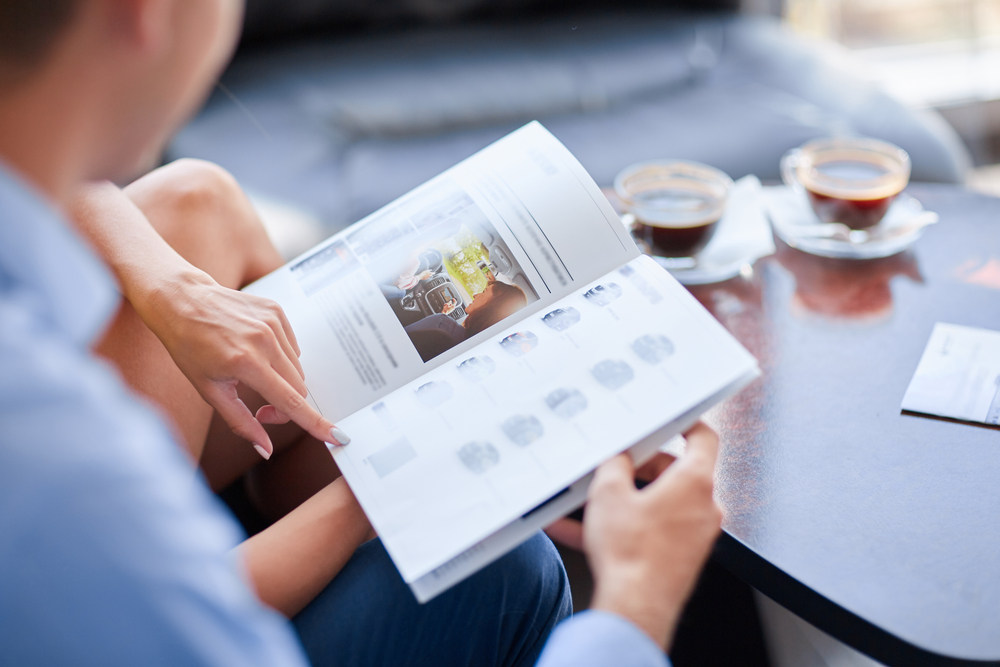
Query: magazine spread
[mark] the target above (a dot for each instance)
(488, 340)
(506, 232)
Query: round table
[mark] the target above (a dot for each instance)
(880, 527)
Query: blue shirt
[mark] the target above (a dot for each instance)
(600, 639)
(112, 549)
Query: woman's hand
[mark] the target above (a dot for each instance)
(449, 306)
(220, 337)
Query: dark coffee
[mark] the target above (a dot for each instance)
(852, 187)
(676, 220)
(855, 213)
(670, 241)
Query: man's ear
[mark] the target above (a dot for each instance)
(143, 24)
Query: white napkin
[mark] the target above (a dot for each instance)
(743, 237)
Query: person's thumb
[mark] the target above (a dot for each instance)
(613, 473)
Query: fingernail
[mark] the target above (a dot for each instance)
(339, 436)
(264, 454)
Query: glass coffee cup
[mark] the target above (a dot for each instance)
(852, 181)
(676, 207)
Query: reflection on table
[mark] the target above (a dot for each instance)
(878, 527)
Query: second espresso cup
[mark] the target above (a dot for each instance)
(676, 204)
(852, 181)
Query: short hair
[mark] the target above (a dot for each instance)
(507, 299)
(28, 30)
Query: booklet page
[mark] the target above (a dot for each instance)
(958, 375)
(448, 459)
(496, 238)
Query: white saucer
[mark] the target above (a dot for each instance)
(795, 223)
(705, 273)
(741, 238)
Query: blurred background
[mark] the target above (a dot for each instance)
(333, 108)
(937, 54)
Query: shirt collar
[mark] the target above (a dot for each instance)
(42, 255)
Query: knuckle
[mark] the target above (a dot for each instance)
(320, 424)
(699, 479)
(294, 401)
(605, 487)
(274, 307)
(260, 330)
(240, 431)
(704, 484)
(240, 360)
(232, 356)
(598, 488)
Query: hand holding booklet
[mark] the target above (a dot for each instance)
(487, 340)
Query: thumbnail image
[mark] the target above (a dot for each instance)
(603, 294)
(392, 457)
(567, 403)
(561, 319)
(384, 415)
(652, 348)
(478, 456)
(522, 430)
(478, 368)
(613, 373)
(444, 270)
(519, 343)
(640, 283)
(434, 393)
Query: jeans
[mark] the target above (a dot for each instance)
(501, 615)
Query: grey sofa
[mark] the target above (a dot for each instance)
(336, 107)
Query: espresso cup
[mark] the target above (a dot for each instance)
(676, 206)
(852, 181)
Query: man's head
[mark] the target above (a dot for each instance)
(27, 31)
(498, 301)
(93, 88)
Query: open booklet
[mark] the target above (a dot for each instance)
(487, 340)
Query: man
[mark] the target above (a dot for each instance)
(113, 552)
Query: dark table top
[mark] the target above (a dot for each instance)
(880, 527)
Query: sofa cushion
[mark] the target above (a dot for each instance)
(340, 127)
(266, 19)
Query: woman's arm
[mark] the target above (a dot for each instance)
(200, 321)
(145, 265)
(291, 561)
(216, 335)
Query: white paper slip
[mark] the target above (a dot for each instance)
(958, 375)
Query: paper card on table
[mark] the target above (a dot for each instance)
(958, 375)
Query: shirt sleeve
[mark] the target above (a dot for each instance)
(597, 638)
(114, 552)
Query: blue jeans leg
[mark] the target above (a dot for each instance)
(501, 615)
